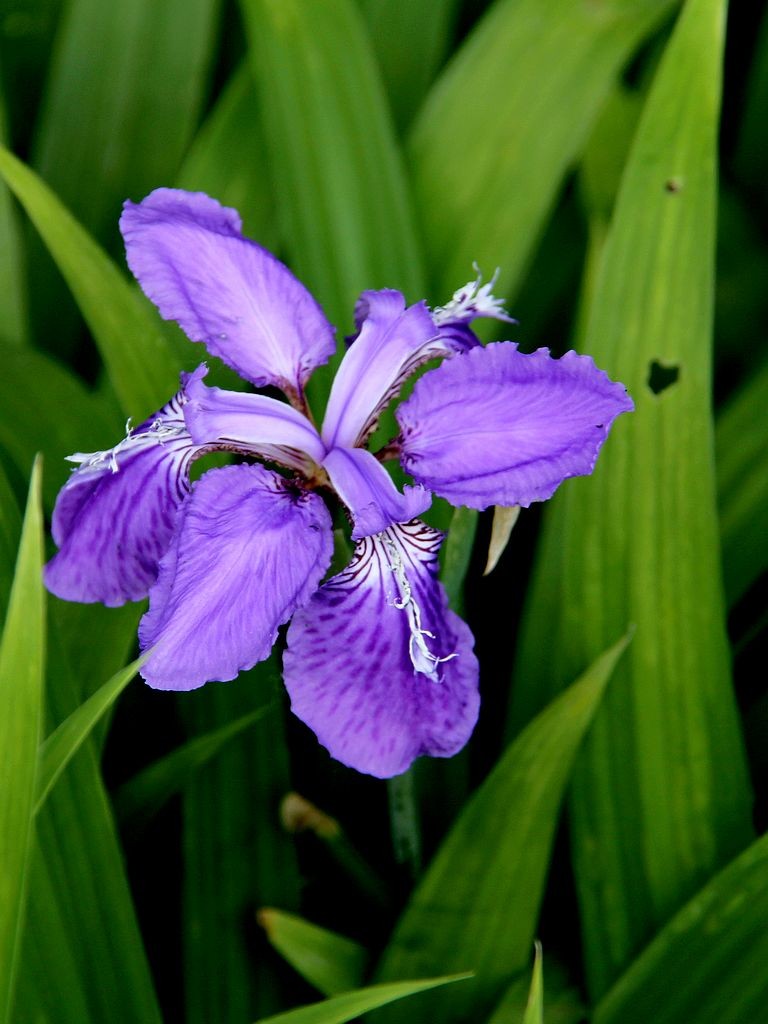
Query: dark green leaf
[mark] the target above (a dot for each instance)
(330, 962)
(477, 906)
(661, 797)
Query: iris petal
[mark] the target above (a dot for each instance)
(114, 518)
(369, 492)
(497, 427)
(188, 254)
(377, 665)
(249, 549)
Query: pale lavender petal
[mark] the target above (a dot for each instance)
(377, 665)
(393, 341)
(497, 427)
(252, 423)
(225, 290)
(248, 550)
(114, 517)
(369, 492)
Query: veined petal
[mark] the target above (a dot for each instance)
(393, 341)
(497, 427)
(114, 517)
(248, 550)
(191, 260)
(369, 492)
(252, 423)
(377, 665)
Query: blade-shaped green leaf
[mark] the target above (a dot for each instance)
(142, 369)
(82, 936)
(708, 964)
(741, 444)
(10, 529)
(228, 159)
(237, 796)
(504, 122)
(638, 542)
(477, 906)
(14, 327)
(346, 1007)
(534, 1011)
(137, 98)
(65, 741)
(44, 407)
(561, 1001)
(22, 658)
(344, 210)
(140, 798)
(410, 40)
(330, 962)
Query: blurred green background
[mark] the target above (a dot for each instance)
(610, 157)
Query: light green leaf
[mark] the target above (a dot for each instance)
(10, 530)
(410, 40)
(228, 159)
(708, 964)
(142, 369)
(505, 121)
(477, 906)
(65, 741)
(22, 659)
(345, 214)
(534, 1011)
(330, 962)
(346, 1007)
(141, 797)
(741, 444)
(561, 1002)
(638, 542)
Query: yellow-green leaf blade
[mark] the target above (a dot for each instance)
(22, 659)
(330, 962)
(346, 1007)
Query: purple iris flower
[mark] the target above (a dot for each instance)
(376, 664)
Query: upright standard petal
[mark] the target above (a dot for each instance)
(114, 517)
(393, 341)
(377, 665)
(252, 423)
(369, 492)
(248, 550)
(190, 258)
(497, 427)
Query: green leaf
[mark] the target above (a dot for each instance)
(708, 964)
(330, 962)
(228, 159)
(534, 1011)
(14, 327)
(10, 530)
(751, 160)
(82, 936)
(350, 1005)
(741, 443)
(137, 99)
(561, 1002)
(237, 796)
(141, 797)
(477, 906)
(22, 657)
(44, 407)
(456, 555)
(345, 214)
(410, 40)
(505, 121)
(661, 796)
(65, 741)
(141, 366)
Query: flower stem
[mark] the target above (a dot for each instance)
(404, 821)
